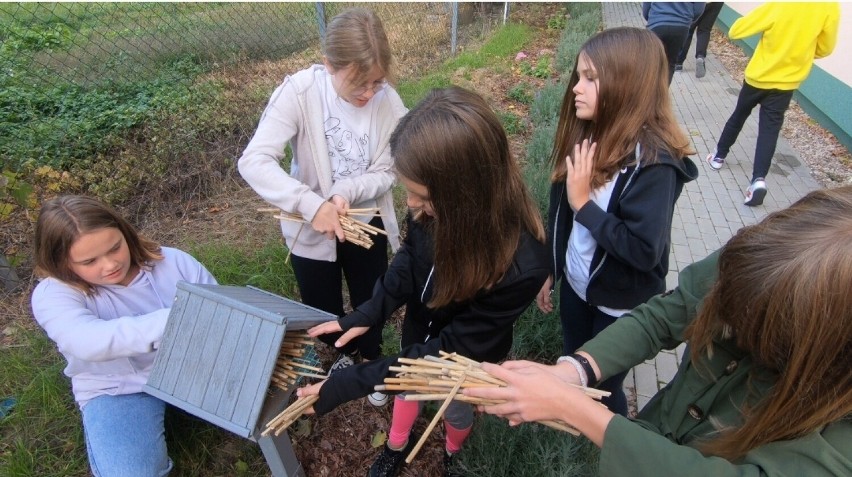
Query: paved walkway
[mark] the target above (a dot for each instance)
(711, 208)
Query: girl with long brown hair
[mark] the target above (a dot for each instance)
(472, 261)
(619, 165)
(766, 387)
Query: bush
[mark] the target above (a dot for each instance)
(545, 109)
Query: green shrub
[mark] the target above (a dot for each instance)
(529, 450)
(546, 107)
(512, 123)
(522, 93)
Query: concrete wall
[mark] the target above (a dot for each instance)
(827, 93)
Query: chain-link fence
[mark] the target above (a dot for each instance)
(76, 77)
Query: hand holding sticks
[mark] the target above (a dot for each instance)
(291, 365)
(354, 230)
(432, 378)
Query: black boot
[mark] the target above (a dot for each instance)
(387, 464)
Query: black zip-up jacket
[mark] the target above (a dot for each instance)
(633, 235)
(480, 328)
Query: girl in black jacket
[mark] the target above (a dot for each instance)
(473, 259)
(619, 166)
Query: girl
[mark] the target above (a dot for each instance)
(472, 261)
(766, 388)
(104, 299)
(338, 118)
(612, 200)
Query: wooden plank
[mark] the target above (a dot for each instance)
(236, 374)
(256, 382)
(227, 351)
(169, 335)
(208, 354)
(179, 342)
(195, 411)
(192, 360)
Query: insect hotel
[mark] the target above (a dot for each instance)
(222, 359)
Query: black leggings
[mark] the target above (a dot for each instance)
(673, 38)
(580, 323)
(321, 286)
(773, 103)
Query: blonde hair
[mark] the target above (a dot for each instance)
(64, 219)
(784, 294)
(453, 143)
(356, 37)
(633, 105)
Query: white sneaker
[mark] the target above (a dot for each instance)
(378, 399)
(342, 362)
(755, 193)
(715, 162)
(700, 68)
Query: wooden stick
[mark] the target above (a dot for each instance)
(434, 422)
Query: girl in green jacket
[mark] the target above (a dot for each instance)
(766, 386)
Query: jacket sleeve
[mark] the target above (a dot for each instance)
(77, 331)
(260, 163)
(638, 236)
(827, 39)
(646, 9)
(656, 325)
(630, 449)
(757, 21)
(481, 330)
(379, 177)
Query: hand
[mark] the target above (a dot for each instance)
(533, 393)
(309, 390)
(543, 299)
(334, 327)
(341, 203)
(579, 174)
(327, 221)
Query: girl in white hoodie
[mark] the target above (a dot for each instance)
(104, 299)
(337, 118)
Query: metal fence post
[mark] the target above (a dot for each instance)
(455, 28)
(321, 19)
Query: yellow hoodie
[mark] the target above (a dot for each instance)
(793, 35)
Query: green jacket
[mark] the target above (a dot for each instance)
(661, 442)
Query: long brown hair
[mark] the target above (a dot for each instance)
(633, 105)
(784, 295)
(453, 143)
(64, 219)
(356, 37)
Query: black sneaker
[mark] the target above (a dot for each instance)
(387, 464)
(342, 362)
(448, 465)
(679, 67)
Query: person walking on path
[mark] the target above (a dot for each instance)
(793, 35)
(703, 26)
(671, 21)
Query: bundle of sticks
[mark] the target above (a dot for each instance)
(292, 361)
(434, 378)
(293, 364)
(354, 231)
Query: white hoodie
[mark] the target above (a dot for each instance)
(110, 338)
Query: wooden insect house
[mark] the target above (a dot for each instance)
(218, 359)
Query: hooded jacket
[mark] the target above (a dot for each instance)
(110, 338)
(480, 328)
(633, 234)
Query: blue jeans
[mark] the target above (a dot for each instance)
(125, 436)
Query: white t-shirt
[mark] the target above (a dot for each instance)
(347, 133)
(581, 249)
